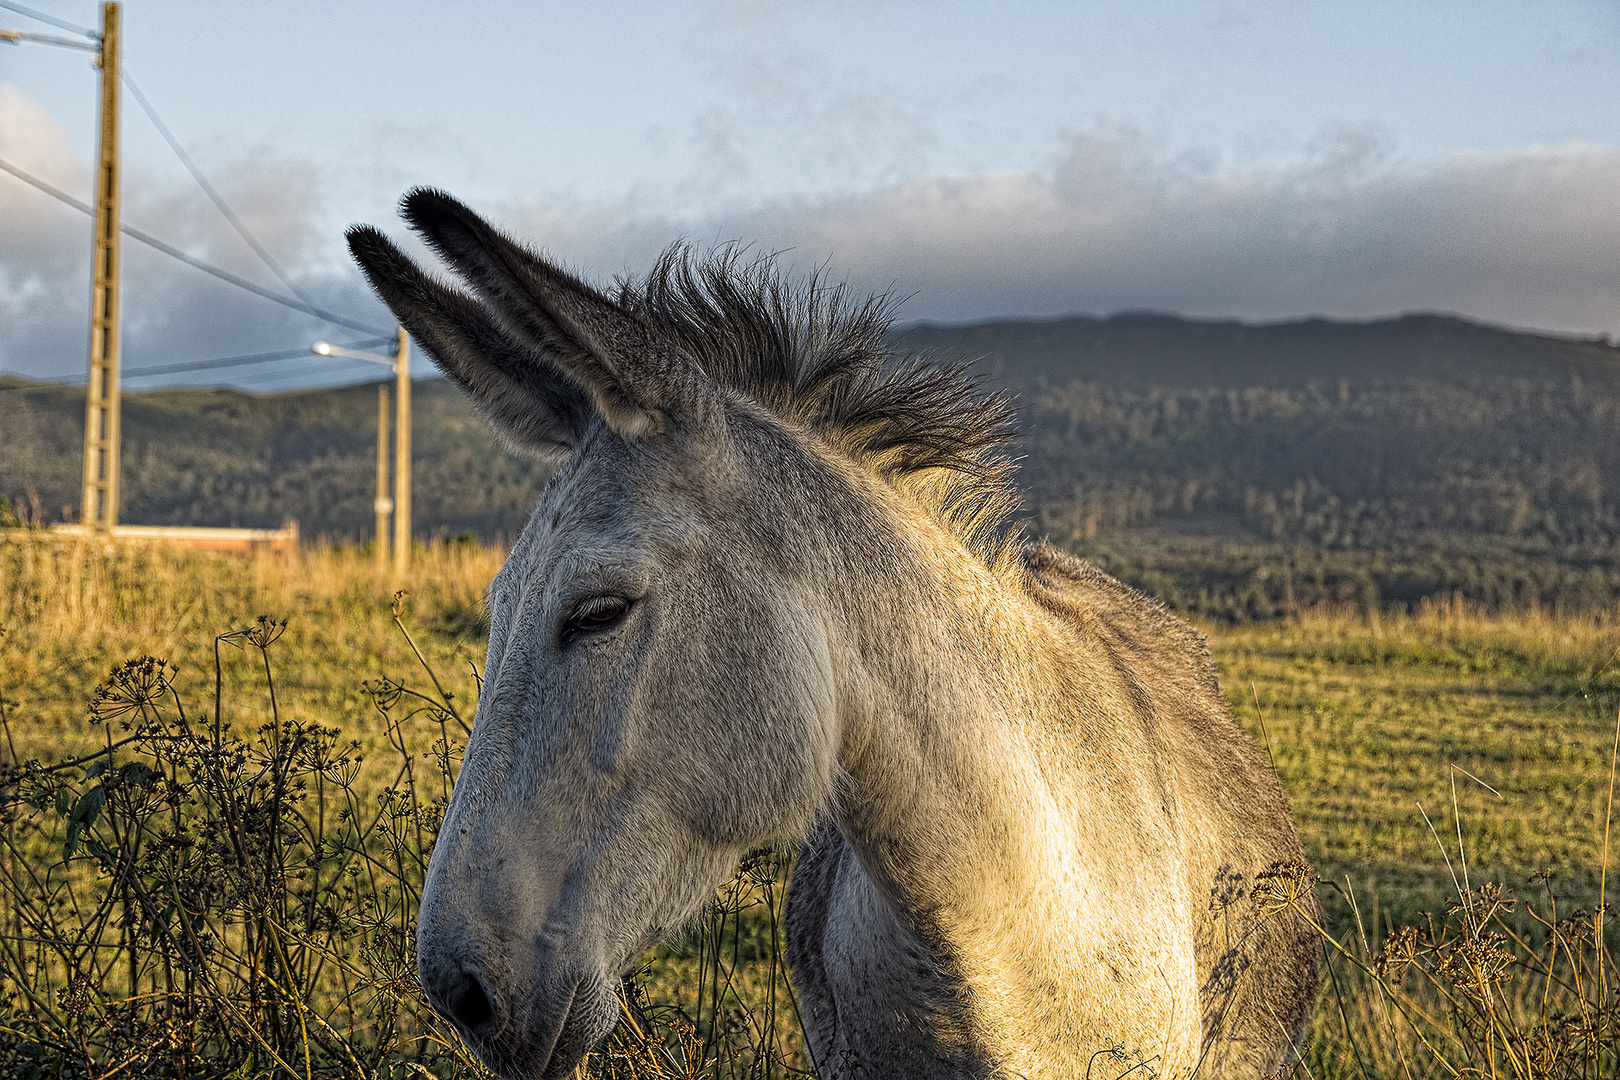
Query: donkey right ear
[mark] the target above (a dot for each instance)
(529, 402)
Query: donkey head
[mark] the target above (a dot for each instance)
(657, 696)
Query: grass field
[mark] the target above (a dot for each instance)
(1500, 728)
(1370, 720)
(72, 610)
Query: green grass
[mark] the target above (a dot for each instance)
(1369, 720)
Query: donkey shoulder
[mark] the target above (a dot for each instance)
(1082, 593)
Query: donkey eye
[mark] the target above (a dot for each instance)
(595, 613)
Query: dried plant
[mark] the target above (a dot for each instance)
(191, 900)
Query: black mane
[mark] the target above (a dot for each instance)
(811, 353)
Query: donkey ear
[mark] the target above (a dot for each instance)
(633, 378)
(527, 400)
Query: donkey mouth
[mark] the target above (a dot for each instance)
(590, 1017)
(549, 1049)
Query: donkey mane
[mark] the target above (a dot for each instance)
(813, 355)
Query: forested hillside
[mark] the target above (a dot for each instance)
(1234, 469)
(222, 457)
(1245, 471)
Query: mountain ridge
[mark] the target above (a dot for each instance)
(1182, 351)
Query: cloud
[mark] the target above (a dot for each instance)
(1527, 237)
(33, 237)
(31, 139)
(171, 312)
(40, 242)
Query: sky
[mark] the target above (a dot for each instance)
(1252, 159)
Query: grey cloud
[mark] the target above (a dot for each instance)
(172, 313)
(37, 270)
(1528, 237)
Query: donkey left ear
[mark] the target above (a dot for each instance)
(633, 378)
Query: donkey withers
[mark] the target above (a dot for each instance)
(769, 594)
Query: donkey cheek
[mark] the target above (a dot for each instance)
(606, 747)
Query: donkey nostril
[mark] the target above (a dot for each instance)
(469, 1005)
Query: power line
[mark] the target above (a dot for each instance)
(16, 37)
(295, 372)
(223, 362)
(304, 301)
(216, 363)
(210, 190)
(190, 260)
(52, 19)
(245, 378)
(239, 361)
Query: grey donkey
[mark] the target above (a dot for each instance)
(770, 593)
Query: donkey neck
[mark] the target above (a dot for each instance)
(948, 677)
(1002, 793)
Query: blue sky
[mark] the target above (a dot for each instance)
(1257, 160)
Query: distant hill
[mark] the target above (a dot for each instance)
(223, 457)
(1236, 469)
(1140, 350)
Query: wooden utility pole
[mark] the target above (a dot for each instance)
(402, 458)
(401, 505)
(384, 505)
(99, 507)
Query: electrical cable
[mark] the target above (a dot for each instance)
(323, 365)
(296, 372)
(306, 304)
(209, 365)
(212, 192)
(239, 361)
(175, 253)
(17, 37)
(52, 19)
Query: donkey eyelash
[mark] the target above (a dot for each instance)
(592, 614)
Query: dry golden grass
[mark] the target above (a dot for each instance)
(73, 608)
(1450, 772)
(72, 612)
